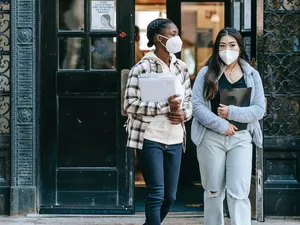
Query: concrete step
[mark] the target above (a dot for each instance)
(137, 219)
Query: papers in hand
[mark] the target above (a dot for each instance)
(238, 97)
(156, 87)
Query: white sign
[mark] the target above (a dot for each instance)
(236, 15)
(247, 14)
(102, 15)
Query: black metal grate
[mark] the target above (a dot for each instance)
(5, 106)
(5, 68)
(281, 71)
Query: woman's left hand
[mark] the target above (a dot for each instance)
(223, 111)
(176, 117)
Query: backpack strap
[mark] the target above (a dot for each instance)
(124, 79)
(182, 66)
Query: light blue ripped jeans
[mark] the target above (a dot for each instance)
(225, 163)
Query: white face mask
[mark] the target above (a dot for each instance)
(173, 44)
(229, 56)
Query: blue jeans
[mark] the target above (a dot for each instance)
(225, 165)
(160, 166)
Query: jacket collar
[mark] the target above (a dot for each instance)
(247, 68)
(150, 55)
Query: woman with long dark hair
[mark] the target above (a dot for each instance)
(224, 151)
(156, 129)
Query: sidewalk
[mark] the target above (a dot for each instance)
(137, 219)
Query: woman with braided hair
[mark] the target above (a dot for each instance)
(156, 129)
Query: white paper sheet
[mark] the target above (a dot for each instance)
(156, 87)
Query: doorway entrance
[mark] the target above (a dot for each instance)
(84, 167)
(200, 23)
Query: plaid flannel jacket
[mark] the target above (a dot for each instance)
(136, 109)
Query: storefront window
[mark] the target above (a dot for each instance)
(82, 34)
(103, 15)
(143, 18)
(103, 53)
(71, 53)
(200, 24)
(71, 15)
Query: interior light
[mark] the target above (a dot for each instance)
(215, 18)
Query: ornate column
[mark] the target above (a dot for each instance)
(23, 103)
(5, 107)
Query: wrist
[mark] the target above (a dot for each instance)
(174, 109)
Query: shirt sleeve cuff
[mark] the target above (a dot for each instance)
(165, 107)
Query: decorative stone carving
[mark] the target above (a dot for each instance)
(24, 35)
(23, 92)
(23, 107)
(25, 115)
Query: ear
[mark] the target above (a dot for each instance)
(157, 37)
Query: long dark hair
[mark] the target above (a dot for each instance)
(215, 63)
(156, 26)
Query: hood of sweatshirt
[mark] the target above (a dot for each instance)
(151, 56)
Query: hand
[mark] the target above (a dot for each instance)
(174, 103)
(223, 111)
(176, 117)
(230, 130)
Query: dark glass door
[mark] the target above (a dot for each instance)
(84, 165)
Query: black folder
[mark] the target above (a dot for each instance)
(238, 97)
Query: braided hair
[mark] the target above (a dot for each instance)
(156, 26)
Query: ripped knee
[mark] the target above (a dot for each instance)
(213, 194)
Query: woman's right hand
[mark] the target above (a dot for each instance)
(230, 130)
(174, 103)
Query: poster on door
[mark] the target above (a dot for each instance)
(102, 15)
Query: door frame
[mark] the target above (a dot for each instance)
(47, 52)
